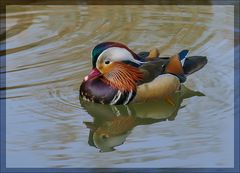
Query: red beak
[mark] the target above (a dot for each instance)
(93, 74)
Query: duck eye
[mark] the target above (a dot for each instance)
(107, 62)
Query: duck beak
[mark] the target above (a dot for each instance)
(93, 74)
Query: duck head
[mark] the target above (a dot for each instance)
(116, 64)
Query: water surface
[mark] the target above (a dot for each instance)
(48, 54)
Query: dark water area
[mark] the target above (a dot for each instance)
(48, 55)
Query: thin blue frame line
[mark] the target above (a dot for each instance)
(236, 86)
(236, 126)
(139, 170)
(3, 91)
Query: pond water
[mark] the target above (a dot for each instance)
(48, 55)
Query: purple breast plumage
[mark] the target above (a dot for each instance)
(96, 90)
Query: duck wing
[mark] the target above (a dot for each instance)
(171, 65)
(160, 66)
(153, 69)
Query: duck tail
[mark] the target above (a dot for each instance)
(193, 64)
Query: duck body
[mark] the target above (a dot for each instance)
(119, 76)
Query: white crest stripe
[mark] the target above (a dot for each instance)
(118, 54)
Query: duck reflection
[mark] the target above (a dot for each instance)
(112, 124)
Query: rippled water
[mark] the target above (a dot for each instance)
(48, 54)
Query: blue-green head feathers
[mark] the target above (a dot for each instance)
(105, 45)
(98, 50)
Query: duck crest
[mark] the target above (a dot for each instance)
(106, 45)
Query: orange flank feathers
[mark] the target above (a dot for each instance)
(174, 66)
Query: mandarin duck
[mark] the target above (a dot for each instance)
(120, 76)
